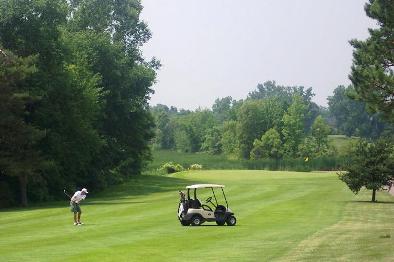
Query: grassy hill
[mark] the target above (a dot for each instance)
(341, 143)
(281, 216)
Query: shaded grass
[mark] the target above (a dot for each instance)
(281, 216)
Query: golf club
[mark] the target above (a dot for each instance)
(64, 191)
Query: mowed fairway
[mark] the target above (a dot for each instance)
(282, 216)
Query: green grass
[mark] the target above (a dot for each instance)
(341, 143)
(281, 216)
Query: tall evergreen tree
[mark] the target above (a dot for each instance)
(19, 156)
(373, 60)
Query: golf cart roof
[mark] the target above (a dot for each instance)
(204, 186)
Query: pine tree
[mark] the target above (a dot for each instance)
(19, 156)
(373, 60)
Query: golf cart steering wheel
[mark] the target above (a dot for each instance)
(208, 200)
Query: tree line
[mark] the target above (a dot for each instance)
(274, 121)
(73, 102)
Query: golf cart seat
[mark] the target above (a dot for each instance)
(195, 203)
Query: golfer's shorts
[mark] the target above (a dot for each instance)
(75, 208)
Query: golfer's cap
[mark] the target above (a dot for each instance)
(84, 190)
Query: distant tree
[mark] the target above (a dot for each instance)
(350, 116)
(293, 126)
(183, 140)
(229, 139)
(320, 131)
(312, 111)
(212, 141)
(285, 95)
(269, 146)
(190, 129)
(255, 117)
(308, 148)
(370, 165)
(165, 134)
(160, 108)
(270, 89)
(373, 60)
(222, 109)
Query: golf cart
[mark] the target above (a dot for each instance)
(192, 212)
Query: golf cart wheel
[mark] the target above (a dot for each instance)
(231, 221)
(220, 222)
(196, 221)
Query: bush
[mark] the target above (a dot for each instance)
(171, 167)
(195, 167)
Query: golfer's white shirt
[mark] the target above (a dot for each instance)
(77, 197)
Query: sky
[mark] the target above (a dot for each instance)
(211, 49)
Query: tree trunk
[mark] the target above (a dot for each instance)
(373, 195)
(23, 189)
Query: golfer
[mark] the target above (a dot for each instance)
(74, 205)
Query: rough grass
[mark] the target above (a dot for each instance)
(341, 143)
(284, 216)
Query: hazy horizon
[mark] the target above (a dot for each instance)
(213, 49)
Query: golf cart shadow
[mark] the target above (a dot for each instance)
(213, 225)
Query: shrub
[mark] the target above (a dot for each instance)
(171, 167)
(195, 167)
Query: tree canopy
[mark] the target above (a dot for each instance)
(88, 93)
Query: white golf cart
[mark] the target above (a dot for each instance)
(191, 211)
